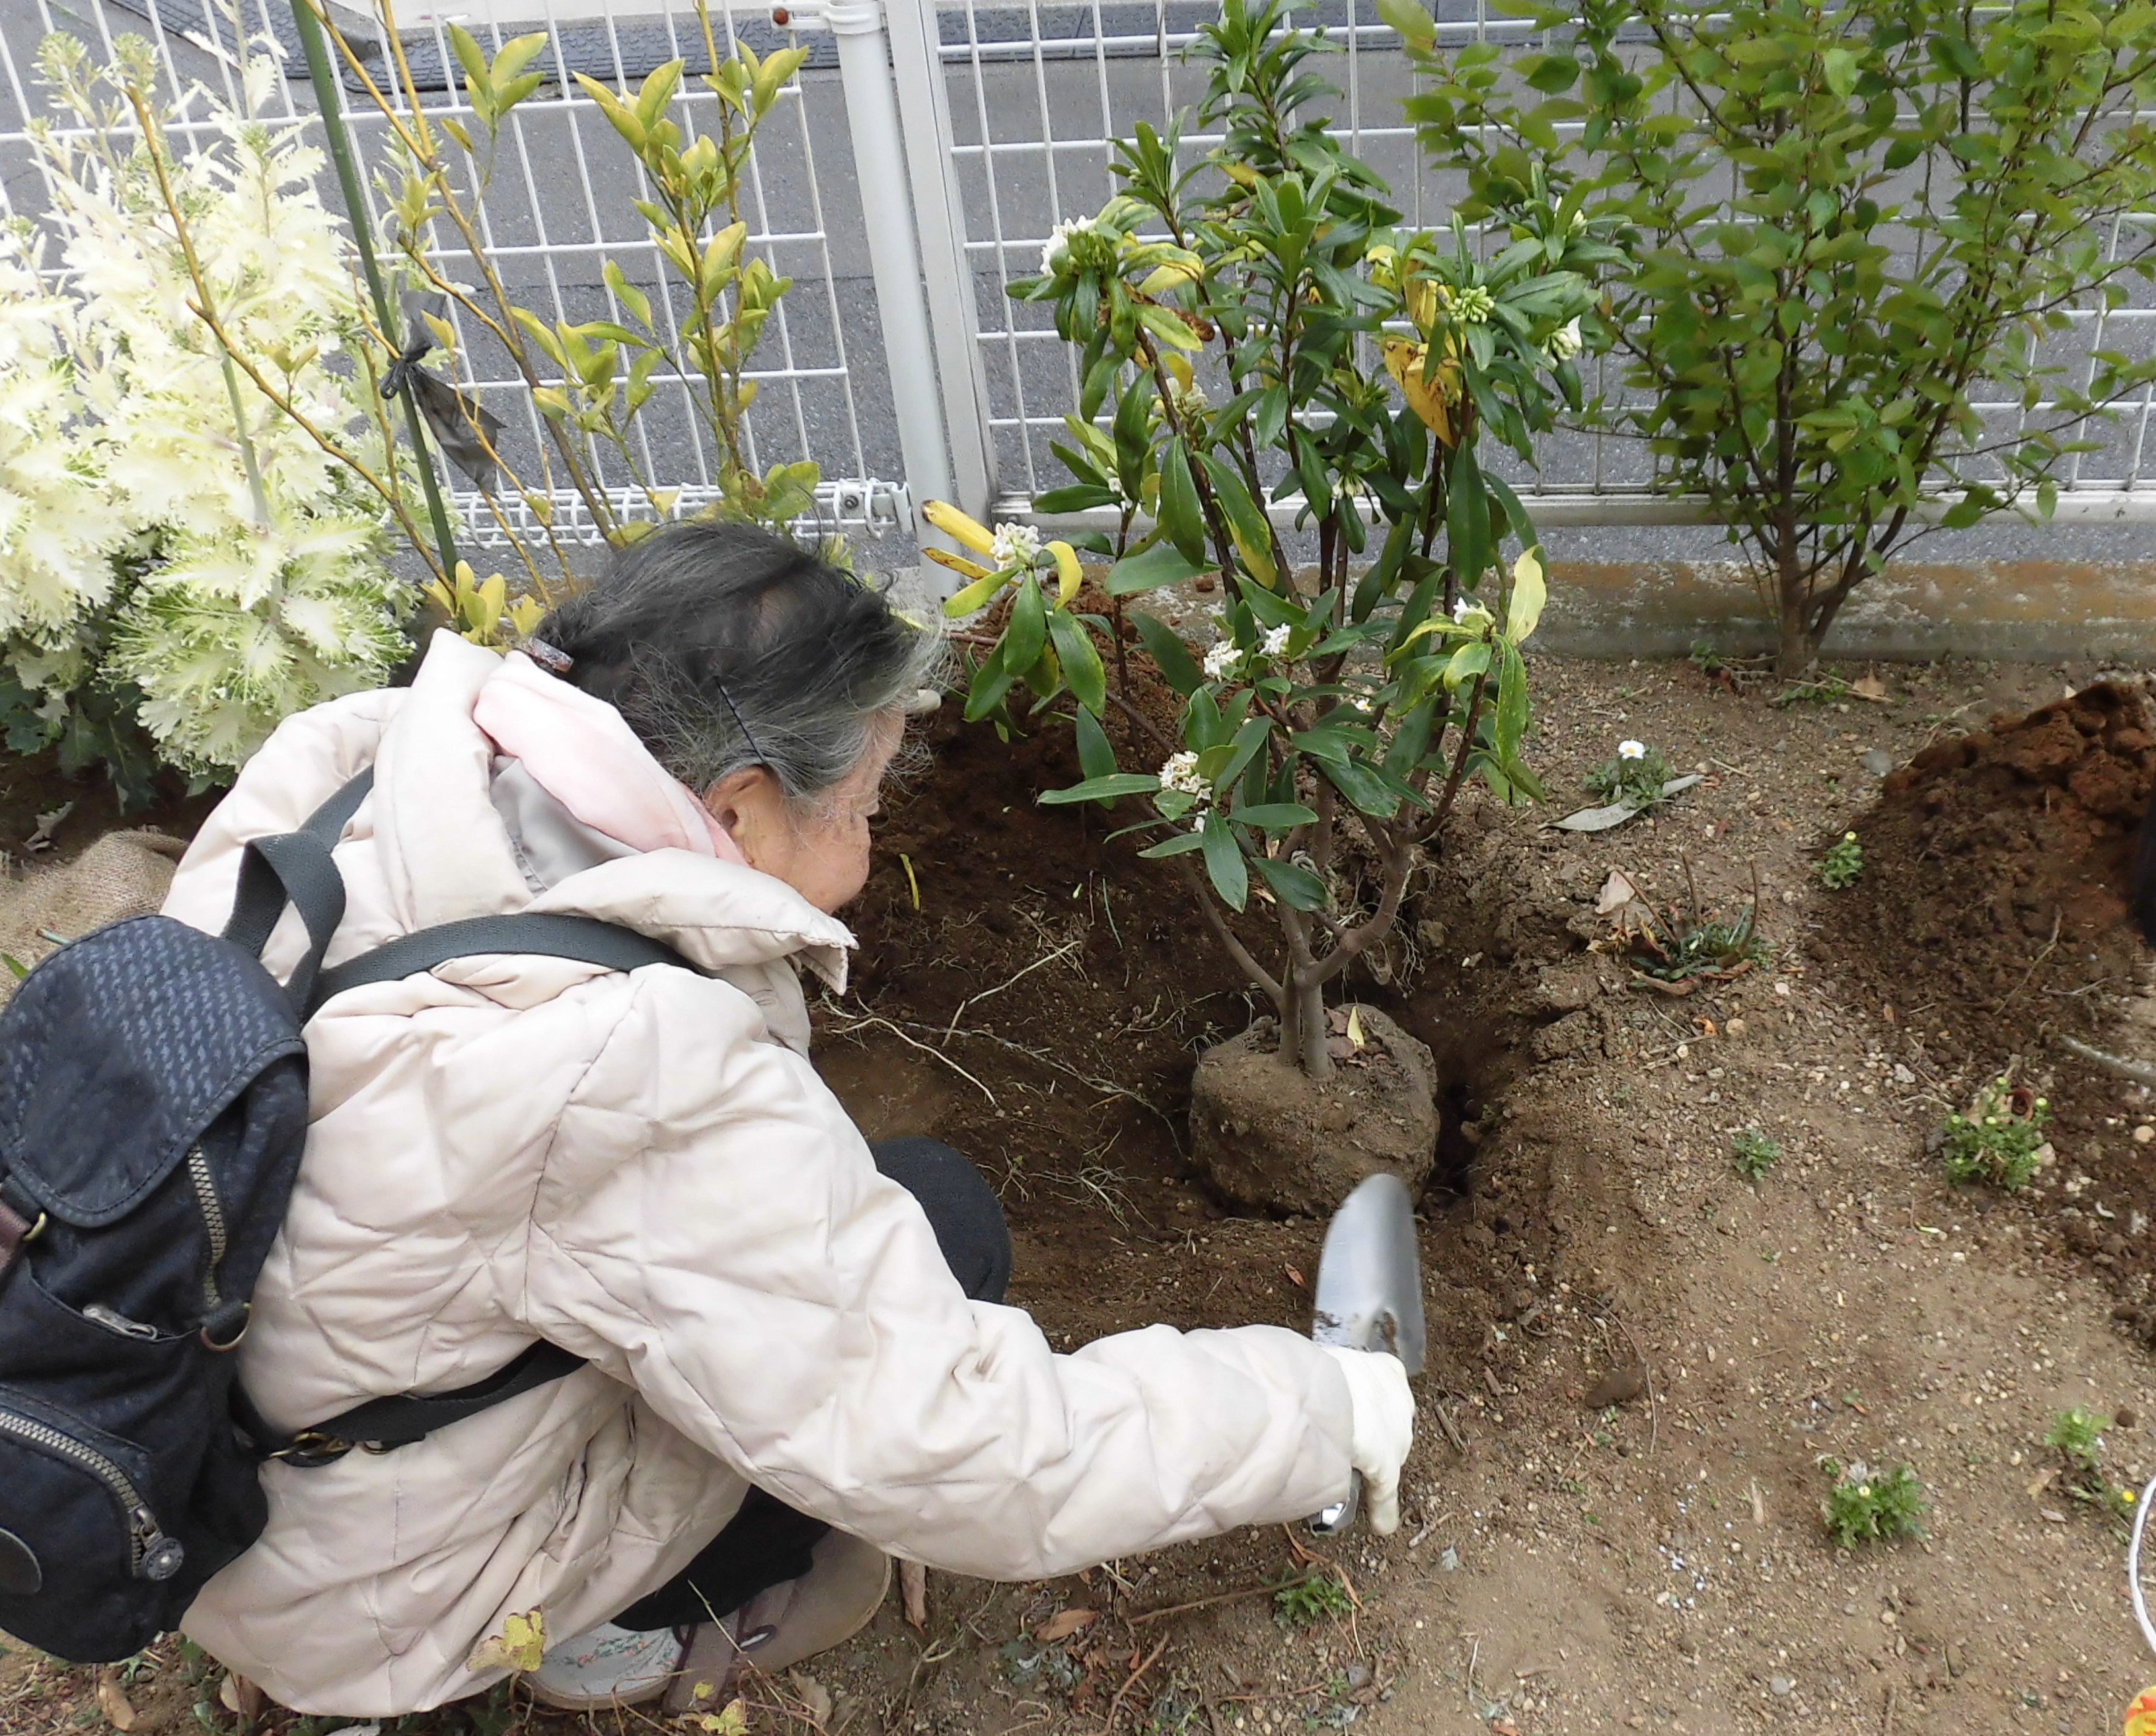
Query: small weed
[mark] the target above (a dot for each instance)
(1866, 1505)
(1636, 777)
(1999, 1141)
(2077, 1436)
(1827, 690)
(1842, 866)
(1752, 1153)
(1674, 946)
(1705, 658)
(1301, 1598)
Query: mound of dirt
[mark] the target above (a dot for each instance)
(1997, 871)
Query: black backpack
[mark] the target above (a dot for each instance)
(153, 1109)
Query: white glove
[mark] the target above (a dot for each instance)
(1383, 1427)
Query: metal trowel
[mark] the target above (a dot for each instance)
(1369, 1292)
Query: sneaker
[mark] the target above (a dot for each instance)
(844, 1586)
(608, 1666)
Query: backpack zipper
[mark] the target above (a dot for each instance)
(212, 1211)
(152, 1555)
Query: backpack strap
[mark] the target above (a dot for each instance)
(543, 935)
(294, 868)
(383, 1424)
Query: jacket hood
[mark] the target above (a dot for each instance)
(446, 853)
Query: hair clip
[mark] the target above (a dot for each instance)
(550, 658)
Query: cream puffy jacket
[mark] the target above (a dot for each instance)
(645, 1170)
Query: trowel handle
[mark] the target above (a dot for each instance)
(1341, 1514)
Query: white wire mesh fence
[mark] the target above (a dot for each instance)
(1039, 92)
(560, 203)
(914, 170)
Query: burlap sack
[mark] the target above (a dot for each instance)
(123, 874)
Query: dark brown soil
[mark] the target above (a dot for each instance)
(1997, 869)
(34, 787)
(1998, 872)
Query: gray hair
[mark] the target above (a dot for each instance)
(725, 646)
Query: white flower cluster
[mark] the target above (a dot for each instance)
(1276, 640)
(1059, 242)
(1179, 771)
(1565, 342)
(242, 565)
(1014, 545)
(1222, 660)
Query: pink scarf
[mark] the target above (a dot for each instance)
(580, 752)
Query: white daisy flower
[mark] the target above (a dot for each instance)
(1631, 750)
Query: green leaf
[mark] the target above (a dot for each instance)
(1027, 631)
(1223, 861)
(1081, 658)
(1097, 754)
(1181, 515)
(1169, 654)
(1467, 517)
(1295, 886)
(1362, 786)
(1411, 20)
(1247, 525)
(1106, 789)
(473, 59)
(1512, 718)
(1180, 844)
(1162, 564)
(1076, 497)
(627, 293)
(1276, 816)
(991, 681)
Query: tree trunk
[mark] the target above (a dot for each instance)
(1799, 649)
(1302, 1031)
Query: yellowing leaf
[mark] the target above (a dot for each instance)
(958, 526)
(975, 595)
(1355, 1027)
(1068, 572)
(1403, 362)
(1530, 591)
(731, 1722)
(520, 1646)
(957, 564)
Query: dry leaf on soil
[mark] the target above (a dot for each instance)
(241, 1698)
(1062, 1626)
(112, 1701)
(913, 1588)
(815, 1697)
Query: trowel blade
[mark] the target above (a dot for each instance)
(1369, 1278)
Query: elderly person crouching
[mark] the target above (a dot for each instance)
(799, 1360)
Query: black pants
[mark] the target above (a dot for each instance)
(767, 1542)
